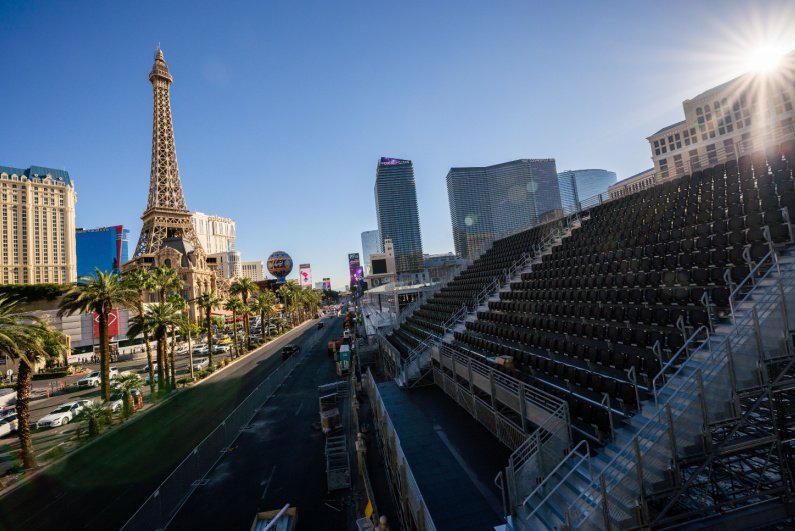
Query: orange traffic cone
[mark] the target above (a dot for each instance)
(48, 392)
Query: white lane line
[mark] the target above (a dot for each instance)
(299, 409)
(268, 482)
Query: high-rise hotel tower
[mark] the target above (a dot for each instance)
(398, 216)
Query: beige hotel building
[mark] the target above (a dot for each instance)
(37, 243)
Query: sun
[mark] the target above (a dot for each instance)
(765, 58)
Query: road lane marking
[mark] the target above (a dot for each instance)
(268, 482)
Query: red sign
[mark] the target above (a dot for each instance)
(113, 323)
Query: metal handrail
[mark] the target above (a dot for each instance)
(542, 485)
(751, 277)
(670, 363)
(521, 455)
(594, 494)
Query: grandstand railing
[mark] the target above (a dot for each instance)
(410, 492)
(715, 367)
(568, 466)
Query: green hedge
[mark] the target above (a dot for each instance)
(34, 292)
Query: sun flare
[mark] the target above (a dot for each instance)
(765, 58)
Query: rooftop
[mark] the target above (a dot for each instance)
(672, 126)
(633, 176)
(38, 172)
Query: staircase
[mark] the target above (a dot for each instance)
(610, 488)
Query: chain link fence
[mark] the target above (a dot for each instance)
(164, 503)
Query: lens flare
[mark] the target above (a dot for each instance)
(765, 58)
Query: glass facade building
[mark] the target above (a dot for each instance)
(398, 216)
(105, 248)
(578, 185)
(486, 202)
(371, 244)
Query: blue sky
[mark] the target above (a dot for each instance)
(282, 109)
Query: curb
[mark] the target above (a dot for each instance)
(44, 467)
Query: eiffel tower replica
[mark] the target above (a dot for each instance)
(166, 215)
(167, 237)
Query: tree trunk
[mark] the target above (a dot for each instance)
(104, 359)
(210, 335)
(25, 375)
(161, 351)
(146, 342)
(234, 327)
(173, 366)
(190, 351)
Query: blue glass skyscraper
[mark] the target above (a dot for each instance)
(579, 185)
(486, 202)
(104, 248)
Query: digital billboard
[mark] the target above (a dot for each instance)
(353, 265)
(386, 161)
(326, 283)
(305, 274)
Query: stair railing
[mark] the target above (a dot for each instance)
(707, 362)
(574, 459)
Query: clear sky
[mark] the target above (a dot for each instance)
(281, 109)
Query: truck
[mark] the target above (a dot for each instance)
(344, 360)
(334, 346)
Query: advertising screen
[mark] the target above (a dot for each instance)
(386, 161)
(353, 265)
(305, 274)
(379, 266)
(326, 283)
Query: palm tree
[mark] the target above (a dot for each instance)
(99, 293)
(161, 317)
(245, 287)
(22, 338)
(179, 305)
(207, 301)
(141, 281)
(235, 306)
(166, 279)
(182, 306)
(95, 414)
(280, 323)
(289, 293)
(264, 304)
(126, 383)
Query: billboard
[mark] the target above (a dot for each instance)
(353, 266)
(326, 283)
(386, 161)
(305, 274)
(113, 323)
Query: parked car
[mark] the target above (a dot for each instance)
(114, 372)
(182, 350)
(90, 380)
(63, 414)
(201, 363)
(146, 367)
(289, 350)
(8, 424)
(218, 349)
(198, 349)
(117, 399)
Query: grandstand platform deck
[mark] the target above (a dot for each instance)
(454, 459)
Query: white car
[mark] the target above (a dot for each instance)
(200, 364)
(146, 367)
(8, 424)
(114, 372)
(217, 349)
(198, 349)
(181, 350)
(63, 414)
(91, 380)
(117, 399)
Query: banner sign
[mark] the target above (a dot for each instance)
(113, 323)
(353, 266)
(305, 274)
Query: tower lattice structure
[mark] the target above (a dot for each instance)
(166, 214)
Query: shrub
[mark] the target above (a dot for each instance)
(209, 370)
(218, 365)
(184, 381)
(55, 452)
(9, 386)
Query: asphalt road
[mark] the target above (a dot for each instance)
(102, 485)
(280, 460)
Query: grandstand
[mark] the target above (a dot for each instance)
(637, 357)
